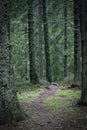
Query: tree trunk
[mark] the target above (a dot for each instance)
(65, 39)
(46, 39)
(77, 46)
(9, 105)
(40, 37)
(83, 28)
(33, 74)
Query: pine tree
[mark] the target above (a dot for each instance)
(40, 37)
(47, 46)
(9, 106)
(77, 46)
(83, 28)
(65, 39)
(33, 74)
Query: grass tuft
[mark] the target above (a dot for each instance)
(28, 93)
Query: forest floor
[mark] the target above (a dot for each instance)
(52, 109)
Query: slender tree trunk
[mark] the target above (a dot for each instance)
(47, 46)
(83, 28)
(77, 46)
(40, 34)
(33, 74)
(9, 105)
(65, 39)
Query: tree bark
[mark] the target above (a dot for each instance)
(47, 46)
(83, 28)
(9, 106)
(33, 74)
(77, 46)
(40, 37)
(65, 39)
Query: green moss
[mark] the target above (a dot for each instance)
(68, 93)
(28, 93)
(62, 99)
(63, 103)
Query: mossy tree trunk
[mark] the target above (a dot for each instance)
(9, 106)
(47, 46)
(77, 46)
(33, 74)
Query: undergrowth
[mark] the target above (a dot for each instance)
(28, 93)
(68, 80)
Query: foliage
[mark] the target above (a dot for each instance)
(19, 40)
(19, 49)
(56, 25)
(68, 80)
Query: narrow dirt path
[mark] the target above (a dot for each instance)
(44, 118)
